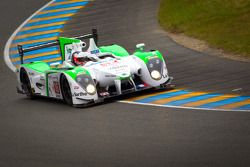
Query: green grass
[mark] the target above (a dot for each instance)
(222, 23)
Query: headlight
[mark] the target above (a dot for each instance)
(91, 89)
(86, 82)
(156, 75)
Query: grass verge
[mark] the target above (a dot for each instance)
(223, 24)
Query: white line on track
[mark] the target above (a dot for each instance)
(181, 107)
(7, 45)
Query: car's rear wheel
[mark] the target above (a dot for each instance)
(26, 84)
(66, 91)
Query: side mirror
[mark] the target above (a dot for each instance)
(140, 46)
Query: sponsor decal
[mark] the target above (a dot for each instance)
(42, 78)
(79, 94)
(95, 51)
(56, 88)
(53, 77)
(76, 87)
(118, 67)
(69, 50)
(106, 64)
(110, 75)
(109, 63)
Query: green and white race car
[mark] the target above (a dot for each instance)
(88, 77)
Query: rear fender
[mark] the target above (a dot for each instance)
(35, 77)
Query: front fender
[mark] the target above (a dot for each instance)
(78, 88)
(150, 62)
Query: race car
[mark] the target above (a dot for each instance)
(89, 75)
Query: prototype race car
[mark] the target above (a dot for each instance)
(88, 77)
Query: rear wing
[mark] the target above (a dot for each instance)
(22, 50)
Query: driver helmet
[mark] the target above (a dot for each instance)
(80, 58)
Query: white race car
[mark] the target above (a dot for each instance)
(89, 77)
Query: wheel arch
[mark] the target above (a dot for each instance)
(22, 70)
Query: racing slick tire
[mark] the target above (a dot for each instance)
(26, 86)
(66, 91)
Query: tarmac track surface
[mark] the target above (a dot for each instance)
(47, 133)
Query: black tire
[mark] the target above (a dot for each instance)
(66, 91)
(26, 86)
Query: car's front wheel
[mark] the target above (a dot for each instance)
(66, 91)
